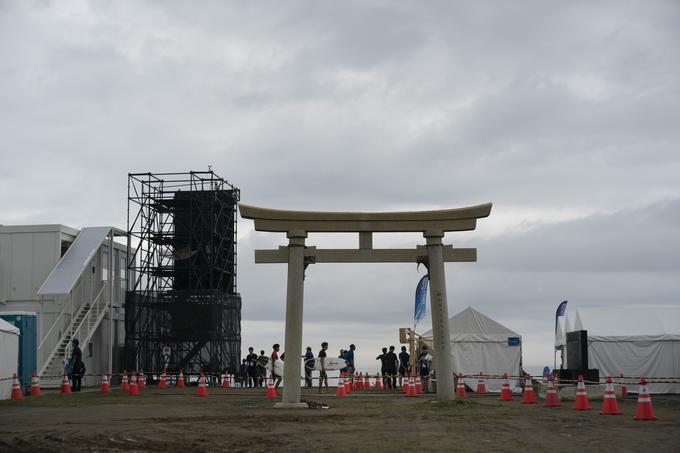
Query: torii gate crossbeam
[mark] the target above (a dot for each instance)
(433, 225)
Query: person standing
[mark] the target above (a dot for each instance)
(323, 376)
(424, 359)
(262, 362)
(309, 366)
(391, 364)
(381, 357)
(77, 365)
(251, 362)
(274, 358)
(404, 365)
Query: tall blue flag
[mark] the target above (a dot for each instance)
(421, 299)
(561, 310)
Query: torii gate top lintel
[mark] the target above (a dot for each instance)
(277, 220)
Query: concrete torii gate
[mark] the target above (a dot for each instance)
(433, 225)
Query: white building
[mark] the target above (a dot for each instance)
(62, 274)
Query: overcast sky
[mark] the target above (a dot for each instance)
(565, 115)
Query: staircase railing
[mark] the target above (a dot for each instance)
(84, 331)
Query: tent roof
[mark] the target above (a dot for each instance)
(628, 320)
(472, 322)
(8, 327)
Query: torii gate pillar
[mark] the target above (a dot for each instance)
(294, 302)
(440, 315)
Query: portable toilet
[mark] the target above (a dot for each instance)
(28, 344)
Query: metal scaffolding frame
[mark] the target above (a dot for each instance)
(183, 310)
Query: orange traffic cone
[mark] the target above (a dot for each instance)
(581, 403)
(65, 385)
(419, 386)
(551, 397)
(378, 382)
(105, 383)
(141, 381)
(35, 385)
(124, 386)
(481, 386)
(202, 388)
(271, 391)
(506, 394)
(624, 389)
(460, 387)
(644, 410)
(529, 395)
(225, 381)
(16, 388)
(609, 404)
(133, 390)
(411, 387)
(348, 384)
(180, 381)
(163, 382)
(404, 386)
(340, 392)
(367, 382)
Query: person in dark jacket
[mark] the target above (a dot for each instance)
(77, 365)
(309, 366)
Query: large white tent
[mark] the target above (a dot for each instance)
(633, 340)
(480, 344)
(9, 356)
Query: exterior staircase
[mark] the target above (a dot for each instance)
(83, 326)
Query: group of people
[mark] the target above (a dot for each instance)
(393, 366)
(253, 369)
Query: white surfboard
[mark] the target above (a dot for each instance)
(331, 363)
(279, 367)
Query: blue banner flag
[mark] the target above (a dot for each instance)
(561, 310)
(421, 299)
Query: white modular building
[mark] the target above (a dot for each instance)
(75, 281)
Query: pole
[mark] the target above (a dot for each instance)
(293, 340)
(111, 280)
(440, 316)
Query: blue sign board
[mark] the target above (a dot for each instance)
(514, 341)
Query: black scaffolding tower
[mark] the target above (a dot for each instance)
(182, 309)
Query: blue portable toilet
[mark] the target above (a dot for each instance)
(28, 343)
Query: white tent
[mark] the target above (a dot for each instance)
(9, 356)
(633, 340)
(480, 344)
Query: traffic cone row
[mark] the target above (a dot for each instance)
(581, 402)
(552, 399)
(202, 389)
(133, 389)
(105, 383)
(481, 386)
(163, 383)
(124, 385)
(506, 394)
(609, 404)
(16, 388)
(460, 387)
(644, 410)
(529, 395)
(271, 391)
(35, 385)
(65, 385)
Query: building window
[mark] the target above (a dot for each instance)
(105, 266)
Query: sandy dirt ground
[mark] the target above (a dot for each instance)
(237, 420)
